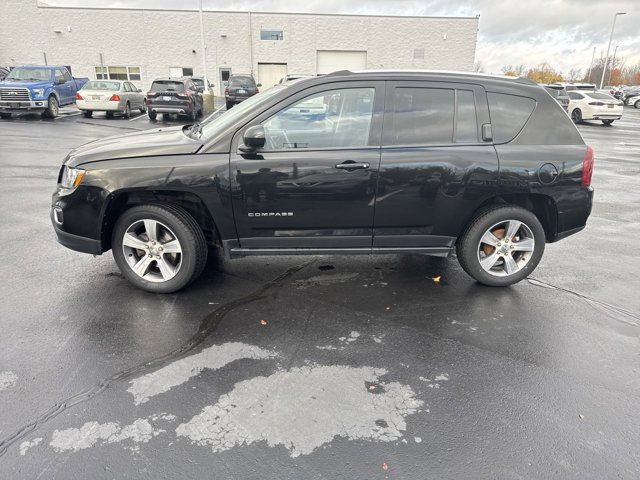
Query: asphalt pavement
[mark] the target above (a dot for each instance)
(397, 366)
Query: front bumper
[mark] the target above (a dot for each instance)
(23, 106)
(75, 242)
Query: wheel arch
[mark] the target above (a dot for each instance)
(122, 201)
(542, 206)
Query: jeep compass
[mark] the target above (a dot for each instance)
(487, 168)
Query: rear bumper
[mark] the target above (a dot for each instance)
(100, 106)
(573, 216)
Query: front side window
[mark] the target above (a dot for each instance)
(422, 116)
(271, 35)
(331, 119)
(60, 76)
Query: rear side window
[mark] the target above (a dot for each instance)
(508, 113)
(575, 96)
(466, 119)
(167, 86)
(422, 116)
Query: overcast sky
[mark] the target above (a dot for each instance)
(561, 32)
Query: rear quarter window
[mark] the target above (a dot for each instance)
(509, 113)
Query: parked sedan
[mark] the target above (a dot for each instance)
(585, 105)
(111, 96)
(633, 100)
(239, 88)
(178, 96)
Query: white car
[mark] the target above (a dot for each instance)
(584, 105)
(111, 96)
(633, 100)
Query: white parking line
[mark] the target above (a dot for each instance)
(142, 115)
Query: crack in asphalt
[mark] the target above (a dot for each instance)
(207, 326)
(618, 313)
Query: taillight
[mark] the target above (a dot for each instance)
(596, 103)
(151, 94)
(78, 96)
(257, 90)
(114, 98)
(587, 167)
(226, 91)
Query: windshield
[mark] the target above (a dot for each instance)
(198, 81)
(97, 85)
(167, 86)
(246, 82)
(229, 117)
(30, 74)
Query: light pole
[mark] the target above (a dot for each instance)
(606, 59)
(613, 64)
(204, 50)
(591, 65)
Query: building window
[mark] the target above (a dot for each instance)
(118, 73)
(271, 35)
(177, 72)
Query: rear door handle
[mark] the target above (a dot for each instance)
(351, 165)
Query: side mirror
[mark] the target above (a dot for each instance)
(253, 139)
(259, 85)
(139, 90)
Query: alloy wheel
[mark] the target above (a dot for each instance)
(152, 250)
(505, 248)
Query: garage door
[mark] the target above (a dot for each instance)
(270, 73)
(334, 60)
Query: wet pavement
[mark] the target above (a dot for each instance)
(398, 366)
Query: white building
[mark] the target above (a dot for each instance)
(140, 45)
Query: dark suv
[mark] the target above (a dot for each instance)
(239, 88)
(490, 168)
(559, 94)
(174, 96)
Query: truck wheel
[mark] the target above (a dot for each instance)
(152, 115)
(88, 113)
(502, 245)
(5, 115)
(159, 248)
(52, 107)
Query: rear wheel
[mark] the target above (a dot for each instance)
(607, 122)
(53, 107)
(109, 114)
(576, 116)
(159, 248)
(152, 115)
(502, 245)
(88, 113)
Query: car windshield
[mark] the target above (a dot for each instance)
(167, 86)
(228, 118)
(30, 74)
(600, 96)
(100, 85)
(242, 82)
(198, 81)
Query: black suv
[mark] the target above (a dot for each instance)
(490, 168)
(239, 88)
(178, 96)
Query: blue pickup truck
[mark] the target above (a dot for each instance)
(38, 89)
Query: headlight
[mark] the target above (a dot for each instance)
(71, 177)
(38, 92)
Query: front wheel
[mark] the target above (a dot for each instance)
(576, 116)
(53, 107)
(159, 248)
(229, 105)
(637, 104)
(501, 246)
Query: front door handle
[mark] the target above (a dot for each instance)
(351, 165)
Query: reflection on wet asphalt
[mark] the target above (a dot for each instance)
(324, 367)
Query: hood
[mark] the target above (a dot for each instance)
(24, 83)
(160, 141)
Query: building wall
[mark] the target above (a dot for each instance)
(156, 40)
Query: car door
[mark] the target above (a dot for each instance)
(313, 184)
(132, 95)
(62, 87)
(436, 168)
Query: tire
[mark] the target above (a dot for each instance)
(166, 117)
(53, 107)
(87, 114)
(127, 111)
(637, 104)
(229, 105)
(576, 116)
(143, 108)
(5, 115)
(172, 223)
(607, 122)
(193, 115)
(472, 250)
(109, 114)
(152, 115)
